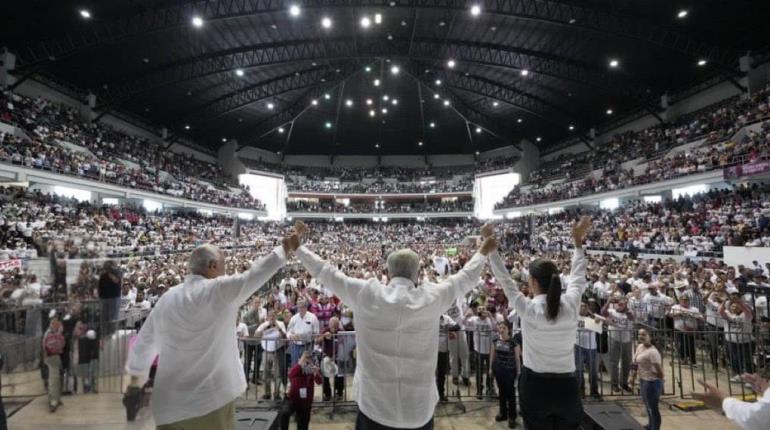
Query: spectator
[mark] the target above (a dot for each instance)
(647, 367)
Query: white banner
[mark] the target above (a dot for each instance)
(746, 255)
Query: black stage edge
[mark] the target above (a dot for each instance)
(608, 416)
(256, 419)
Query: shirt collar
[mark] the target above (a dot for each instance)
(400, 281)
(540, 298)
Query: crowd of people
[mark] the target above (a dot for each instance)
(464, 205)
(464, 184)
(103, 154)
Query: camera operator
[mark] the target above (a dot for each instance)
(302, 380)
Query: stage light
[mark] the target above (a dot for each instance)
(419, 143)
(614, 63)
(365, 22)
(571, 127)
(326, 22)
(446, 102)
(376, 82)
(280, 129)
(394, 102)
(495, 103)
(609, 111)
(682, 14)
(328, 124)
(394, 69)
(450, 64)
(239, 72)
(538, 139)
(314, 102)
(187, 127)
(377, 145)
(197, 22)
(519, 120)
(702, 62)
(349, 103)
(368, 102)
(270, 106)
(378, 18)
(436, 96)
(368, 69)
(385, 97)
(224, 139)
(372, 112)
(384, 110)
(475, 10)
(85, 14)
(478, 130)
(524, 72)
(327, 96)
(438, 81)
(294, 10)
(432, 125)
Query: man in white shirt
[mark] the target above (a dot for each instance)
(396, 331)
(657, 306)
(141, 303)
(458, 344)
(686, 320)
(272, 333)
(620, 320)
(482, 327)
(191, 327)
(749, 416)
(302, 330)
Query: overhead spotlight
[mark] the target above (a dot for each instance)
(384, 110)
(368, 69)
(571, 127)
(432, 125)
(609, 111)
(394, 69)
(187, 127)
(368, 102)
(378, 18)
(372, 112)
(385, 97)
(348, 103)
(224, 139)
(394, 102)
(477, 153)
(239, 72)
(314, 102)
(519, 120)
(390, 36)
(328, 124)
(85, 14)
(438, 81)
(326, 22)
(446, 102)
(419, 143)
(524, 72)
(450, 64)
(475, 10)
(280, 129)
(436, 96)
(365, 22)
(682, 14)
(270, 106)
(376, 82)
(197, 22)
(538, 139)
(478, 130)
(614, 63)
(294, 10)
(327, 96)
(702, 62)
(495, 103)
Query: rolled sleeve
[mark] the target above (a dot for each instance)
(751, 416)
(237, 288)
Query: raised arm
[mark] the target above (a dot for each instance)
(578, 282)
(345, 287)
(463, 281)
(510, 288)
(145, 349)
(237, 288)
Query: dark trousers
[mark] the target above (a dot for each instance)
(441, 370)
(365, 423)
(651, 391)
(741, 360)
(505, 378)
(302, 412)
(339, 386)
(482, 371)
(685, 342)
(549, 401)
(715, 339)
(252, 353)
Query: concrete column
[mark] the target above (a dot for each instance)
(530, 159)
(664, 105)
(228, 159)
(9, 64)
(87, 108)
(756, 77)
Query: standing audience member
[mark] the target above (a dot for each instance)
(621, 321)
(53, 348)
(585, 355)
(332, 349)
(447, 327)
(302, 330)
(109, 293)
(504, 363)
(686, 319)
(482, 327)
(647, 367)
(738, 333)
(303, 377)
(273, 335)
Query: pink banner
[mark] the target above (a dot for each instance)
(748, 169)
(10, 264)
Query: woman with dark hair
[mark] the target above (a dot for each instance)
(548, 389)
(647, 366)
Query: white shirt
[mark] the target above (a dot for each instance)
(396, 332)
(191, 327)
(482, 333)
(271, 336)
(685, 319)
(749, 416)
(306, 327)
(548, 345)
(657, 305)
(620, 326)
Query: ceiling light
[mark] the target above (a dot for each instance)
(432, 125)
(239, 72)
(326, 22)
(368, 69)
(394, 102)
(538, 139)
(384, 110)
(197, 22)
(609, 111)
(145, 60)
(419, 143)
(477, 153)
(385, 97)
(475, 10)
(187, 127)
(495, 103)
(572, 20)
(377, 145)
(682, 14)
(372, 112)
(348, 103)
(446, 102)
(450, 64)
(378, 18)
(614, 63)
(394, 69)
(478, 130)
(270, 106)
(376, 82)
(403, 23)
(294, 10)
(365, 22)
(327, 96)
(571, 127)
(524, 72)
(442, 23)
(436, 96)
(438, 81)
(390, 36)
(519, 120)
(85, 13)
(368, 102)
(224, 139)
(328, 124)
(702, 62)
(314, 102)
(280, 129)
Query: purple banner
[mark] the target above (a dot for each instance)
(748, 169)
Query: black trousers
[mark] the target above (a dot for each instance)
(364, 423)
(441, 370)
(252, 353)
(302, 413)
(482, 371)
(339, 386)
(685, 342)
(549, 401)
(505, 378)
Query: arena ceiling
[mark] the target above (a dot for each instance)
(260, 71)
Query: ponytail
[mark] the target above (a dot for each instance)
(553, 298)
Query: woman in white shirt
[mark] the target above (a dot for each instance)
(548, 389)
(740, 340)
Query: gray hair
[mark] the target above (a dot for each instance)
(404, 263)
(201, 258)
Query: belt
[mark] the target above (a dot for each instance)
(548, 375)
